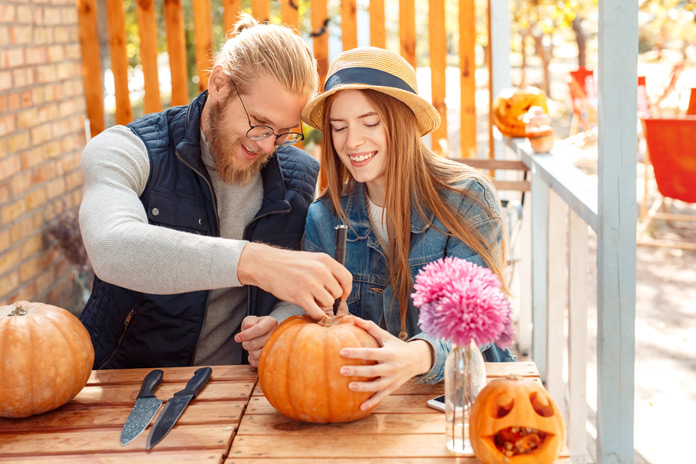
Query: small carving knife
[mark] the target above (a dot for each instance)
(176, 404)
(340, 232)
(146, 407)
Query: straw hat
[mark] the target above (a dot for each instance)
(376, 69)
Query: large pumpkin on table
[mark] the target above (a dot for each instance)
(512, 103)
(299, 369)
(515, 421)
(46, 357)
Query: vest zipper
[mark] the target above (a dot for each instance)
(121, 336)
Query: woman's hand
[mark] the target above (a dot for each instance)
(397, 362)
(254, 334)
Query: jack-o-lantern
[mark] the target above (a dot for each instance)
(515, 421)
(510, 104)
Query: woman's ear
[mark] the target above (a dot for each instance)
(218, 84)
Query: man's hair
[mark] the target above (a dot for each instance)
(254, 50)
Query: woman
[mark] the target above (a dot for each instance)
(404, 206)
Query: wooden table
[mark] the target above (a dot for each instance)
(231, 422)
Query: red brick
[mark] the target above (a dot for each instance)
(56, 53)
(55, 187)
(36, 199)
(22, 228)
(5, 240)
(68, 70)
(43, 35)
(41, 134)
(23, 77)
(11, 58)
(21, 182)
(28, 118)
(7, 13)
(4, 197)
(69, 15)
(48, 112)
(31, 245)
(18, 142)
(4, 36)
(53, 16)
(14, 103)
(7, 124)
(28, 99)
(73, 52)
(73, 180)
(13, 211)
(61, 34)
(46, 73)
(5, 80)
(8, 284)
(21, 35)
(29, 269)
(36, 55)
(25, 14)
(9, 167)
(60, 127)
(32, 157)
(46, 171)
(52, 150)
(3, 148)
(9, 260)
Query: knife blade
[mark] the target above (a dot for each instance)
(145, 408)
(176, 405)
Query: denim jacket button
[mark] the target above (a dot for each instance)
(403, 335)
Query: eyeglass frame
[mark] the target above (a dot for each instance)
(272, 132)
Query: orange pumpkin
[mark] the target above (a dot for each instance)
(510, 104)
(299, 369)
(515, 421)
(46, 357)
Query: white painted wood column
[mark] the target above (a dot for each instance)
(500, 57)
(557, 290)
(616, 238)
(577, 338)
(540, 232)
(524, 272)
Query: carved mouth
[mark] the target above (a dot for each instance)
(516, 441)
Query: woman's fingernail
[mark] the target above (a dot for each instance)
(345, 371)
(344, 353)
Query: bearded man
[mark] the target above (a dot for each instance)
(193, 217)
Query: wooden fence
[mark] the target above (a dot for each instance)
(172, 18)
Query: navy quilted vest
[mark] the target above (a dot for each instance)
(132, 329)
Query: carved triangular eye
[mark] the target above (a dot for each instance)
(541, 404)
(503, 405)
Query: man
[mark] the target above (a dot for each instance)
(180, 210)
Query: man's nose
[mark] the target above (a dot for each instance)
(267, 144)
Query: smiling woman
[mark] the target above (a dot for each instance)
(404, 207)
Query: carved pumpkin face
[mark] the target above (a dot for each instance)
(515, 421)
(510, 104)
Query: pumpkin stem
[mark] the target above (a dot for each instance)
(513, 377)
(18, 311)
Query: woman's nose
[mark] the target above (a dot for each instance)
(355, 138)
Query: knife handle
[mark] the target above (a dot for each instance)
(197, 382)
(340, 232)
(150, 382)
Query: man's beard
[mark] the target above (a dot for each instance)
(222, 150)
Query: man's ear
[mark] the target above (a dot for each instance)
(218, 84)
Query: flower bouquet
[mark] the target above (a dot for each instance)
(463, 303)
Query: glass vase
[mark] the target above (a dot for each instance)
(465, 376)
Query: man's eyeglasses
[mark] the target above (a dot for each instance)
(261, 131)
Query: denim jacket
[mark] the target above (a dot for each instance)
(372, 294)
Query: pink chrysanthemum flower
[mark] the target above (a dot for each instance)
(460, 301)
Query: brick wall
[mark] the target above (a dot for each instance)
(42, 114)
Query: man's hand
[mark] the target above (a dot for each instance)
(254, 334)
(310, 280)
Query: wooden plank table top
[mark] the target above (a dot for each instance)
(231, 422)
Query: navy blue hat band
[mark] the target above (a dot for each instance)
(365, 76)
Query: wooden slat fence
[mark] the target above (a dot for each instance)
(171, 18)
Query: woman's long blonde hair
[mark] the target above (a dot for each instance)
(415, 177)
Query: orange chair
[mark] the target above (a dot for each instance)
(691, 110)
(583, 96)
(672, 152)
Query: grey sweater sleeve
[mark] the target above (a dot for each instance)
(127, 251)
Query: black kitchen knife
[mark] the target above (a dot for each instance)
(146, 406)
(176, 405)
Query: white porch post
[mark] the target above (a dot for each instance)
(616, 238)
